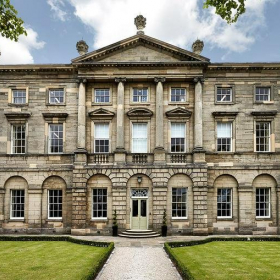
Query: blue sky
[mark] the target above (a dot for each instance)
(54, 27)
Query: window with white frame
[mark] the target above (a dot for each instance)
(17, 204)
(224, 136)
(262, 202)
(139, 137)
(18, 139)
(140, 95)
(101, 138)
(99, 203)
(262, 136)
(178, 95)
(19, 96)
(224, 94)
(178, 137)
(56, 96)
(179, 202)
(224, 201)
(102, 95)
(262, 94)
(55, 204)
(55, 138)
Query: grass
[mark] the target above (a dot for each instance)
(20, 260)
(234, 260)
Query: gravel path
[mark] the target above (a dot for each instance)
(138, 263)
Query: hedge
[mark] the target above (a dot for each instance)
(184, 271)
(95, 270)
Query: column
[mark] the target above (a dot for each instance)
(199, 153)
(82, 116)
(80, 153)
(120, 152)
(159, 152)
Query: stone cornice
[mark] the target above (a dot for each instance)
(264, 113)
(224, 114)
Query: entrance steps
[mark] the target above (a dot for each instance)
(133, 233)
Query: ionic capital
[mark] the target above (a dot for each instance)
(120, 79)
(199, 79)
(159, 79)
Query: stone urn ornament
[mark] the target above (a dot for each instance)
(82, 47)
(197, 46)
(140, 23)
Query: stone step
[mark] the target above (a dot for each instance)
(139, 236)
(133, 233)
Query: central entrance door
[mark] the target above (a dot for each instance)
(139, 209)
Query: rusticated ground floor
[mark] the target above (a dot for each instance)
(199, 200)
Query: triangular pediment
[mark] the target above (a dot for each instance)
(101, 114)
(140, 48)
(139, 113)
(178, 113)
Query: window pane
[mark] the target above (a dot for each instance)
(101, 142)
(263, 136)
(56, 138)
(99, 203)
(17, 204)
(224, 94)
(224, 202)
(18, 139)
(56, 96)
(179, 202)
(55, 203)
(178, 95)
(262, 94)
(19, 96)
(139, 137)
(140, 95)
(102, 95)
(263, 202)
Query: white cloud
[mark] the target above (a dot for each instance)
(19, 52)
(57, 7)
(178, 22)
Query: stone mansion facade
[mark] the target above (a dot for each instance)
(140, 126)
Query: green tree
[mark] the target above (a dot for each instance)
(229, 10)
(11, 26)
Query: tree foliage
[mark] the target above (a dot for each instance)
(11, 26)
(229, 10)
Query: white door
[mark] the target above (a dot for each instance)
(139, 215)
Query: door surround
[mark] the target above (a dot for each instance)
(139, 194)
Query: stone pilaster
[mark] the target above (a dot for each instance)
(200, 218)
(2, 196)
(81, 152)
(159, 152)
(159, 204)
(120, 153)
(79, 202)
(198, 152)
(245, 208)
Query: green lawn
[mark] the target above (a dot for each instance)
(47, 260)
(232, 260)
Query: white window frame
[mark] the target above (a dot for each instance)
(178, 88)
(11, 204)
(58, 90)
(269, 137)
(49, 138)
(225, 217)
(92, 209)
(262, 87)
(102, 89)
(224, 88)
(185, 137)
(13, 138)
(49, 216)
(186, 204)
(147, 138)
(269, 203)
(19, 90)
(139, 99)
(217, 138)
(95, 138)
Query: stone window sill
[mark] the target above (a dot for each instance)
(224, 219)
(56, 104)
(224, 103)
(101, 104)
(16, 220)
(179, 219)
(99, 219)
(17, 105)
